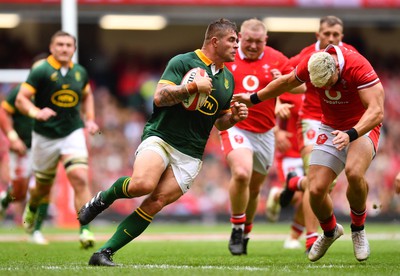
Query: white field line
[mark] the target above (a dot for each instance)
(145, 266)
(184, 237)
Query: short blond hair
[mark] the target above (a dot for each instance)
(253, 24)
(321, 67)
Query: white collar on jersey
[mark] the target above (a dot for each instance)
(339, 54)
(214, 69)
(243, 56)
(64, 71)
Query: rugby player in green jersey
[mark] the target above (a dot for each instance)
(61, 90)
(170, 155)
(18, 128)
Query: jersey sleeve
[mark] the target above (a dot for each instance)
(174, 71)
(301, 71)
(295, 60)
(362, 72)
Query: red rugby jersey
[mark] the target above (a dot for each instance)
(251, 76)
(341, 105)
(311, 107)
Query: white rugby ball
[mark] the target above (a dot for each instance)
(197, 100)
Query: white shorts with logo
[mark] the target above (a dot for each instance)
(289, 164)
(262, 145)
(46, 152)
(309, 132)
(185, 167)
(20, 166)
(325, 153)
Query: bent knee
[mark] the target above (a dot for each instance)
(353, 175)
(241, 175)
(141, 186)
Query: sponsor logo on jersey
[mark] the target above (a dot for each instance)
(250, 83)
(210, 106)
(65, 98)
(330, 95)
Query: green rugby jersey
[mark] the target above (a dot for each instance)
(61, 93)
(22, 124)
(188, 131)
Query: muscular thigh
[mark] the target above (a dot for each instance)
(45, 153)
(155, 155)
(168, 188)
(360, 154)
(320, 178)
(148, 167)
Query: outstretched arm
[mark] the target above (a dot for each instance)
(272, 90)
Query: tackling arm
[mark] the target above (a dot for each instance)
(272, 90)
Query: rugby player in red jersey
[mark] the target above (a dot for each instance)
(352, 103)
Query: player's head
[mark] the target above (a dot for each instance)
(62, 46)
(221, 40)
(330, 31)
(219, 28)
(323, 70)
(253, 38)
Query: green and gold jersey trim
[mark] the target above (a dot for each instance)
(205, 59)
(57, 65)
(7, 107)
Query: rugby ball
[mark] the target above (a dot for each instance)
(197, 100)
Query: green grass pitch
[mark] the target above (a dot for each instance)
(193, 249)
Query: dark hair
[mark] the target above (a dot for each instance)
(219, 28)
(61, 33)
(331, 20)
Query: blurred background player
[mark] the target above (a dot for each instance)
(19, 133)
(287, 162)
(249, 145)
(10, 141)
(330, 32)
(397, 183)
(62, 91)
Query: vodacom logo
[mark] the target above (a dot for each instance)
(333, 98)
(250, 83)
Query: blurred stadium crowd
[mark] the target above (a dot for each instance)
(123, 90)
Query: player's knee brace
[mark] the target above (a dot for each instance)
(75, 162)
(45, 178)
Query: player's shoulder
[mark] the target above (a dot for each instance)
(349, 47)
(80, 67)
(309, 49)
(184, 57)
